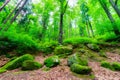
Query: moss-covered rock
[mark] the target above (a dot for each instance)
(76, 58)
(93, 47)
(52, 61)
(17, 62)
(107, 65)
(63, 50)
(116, 66)
(31, 65)
(79, 69)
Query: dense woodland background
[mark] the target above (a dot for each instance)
(32, 25)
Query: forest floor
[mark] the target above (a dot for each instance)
(62, 72)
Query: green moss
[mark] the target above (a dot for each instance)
(79, 69)
(17, 62)
(2, 70)
(76, 58)
(31, 65)
(102, 54)
(116, 66)
(107, 65)
(63, 50)
(52, 61)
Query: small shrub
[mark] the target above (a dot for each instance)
(75, 58)
(116, 66)
(31, 65)
(79, 69)
(63, 51)
(52, 61)
(17, 62)
(107, 65)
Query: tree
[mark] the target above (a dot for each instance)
(6, 2)
(63, 7)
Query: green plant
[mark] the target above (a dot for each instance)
(31, 65)
(76, 58)
(52, 61)
(79, 69)
(94, 47)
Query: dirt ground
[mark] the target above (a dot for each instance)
(62, 72)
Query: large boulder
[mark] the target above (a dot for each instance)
(31, 65)
(13, 64)
(52, 61)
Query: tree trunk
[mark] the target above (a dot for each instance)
(19, 11)
(61, 29)
(5, 21)
(6, 2)
(107, 11)
(115, 7)
(87, 29)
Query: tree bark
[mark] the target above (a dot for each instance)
(115, 7)
(107, 11)
(18, 11)
(6, 2)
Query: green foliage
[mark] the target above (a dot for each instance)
(116, 66)
(107, 65)
(76, 58)
(52, 61)
(80, 40)
(79, 69)
(102, 54)
(13, 64)
(63, 51)
(31, 65)
(17, 41)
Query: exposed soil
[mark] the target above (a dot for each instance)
(62, 72)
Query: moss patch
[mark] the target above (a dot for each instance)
(52, 61)
(79, 69)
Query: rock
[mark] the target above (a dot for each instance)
(93, 47)
(76, 58)
(52, 61)
(31, 65)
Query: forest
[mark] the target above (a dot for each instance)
(59, 39)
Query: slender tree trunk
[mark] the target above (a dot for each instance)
(6, 2)
(91, 28)
(61, 29)
(115, 7)
(19, 11)
(5, 21)
(87, 29)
